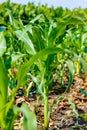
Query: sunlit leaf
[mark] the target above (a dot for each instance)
(2, 44)
(25, 67)
(16, 57)
(23, 36)
(36, 18)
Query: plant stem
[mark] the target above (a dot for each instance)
(69, 84)
(46, 111)
(78, 67)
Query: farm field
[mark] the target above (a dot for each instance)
(62, 116)
(43, 67)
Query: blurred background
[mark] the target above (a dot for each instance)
(71, 4)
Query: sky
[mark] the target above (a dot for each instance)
(71, 4)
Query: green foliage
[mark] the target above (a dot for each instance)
(73, 108)
(29, 119)
(83, 92)
(2, 44)
(22, 35)
(25, 67)
(3, 91)
(36, 40)
(7, 114)
(72, 73)
(83, 116)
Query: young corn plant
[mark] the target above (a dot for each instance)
(8, 111)
(40, 45)
(76, 114)
(76, 38)
(42, 49)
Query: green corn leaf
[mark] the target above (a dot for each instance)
(36, 18)
(83, 62)
(3, 91)
(72, 72)
(55, 101)
(55, 33)
(23, 36)
(7, 117)
(3, 85)
(16, 56)
(39, 85)
(12, 20)
(60, 29)
(10, 117)
(29, 118)
(38, 38)
(84, 37)
(25, 67)
(11, 17)
(83, 92)
(2, 44)
(83, 116)
(71, 67)
(73, 107)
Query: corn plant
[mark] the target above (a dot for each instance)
(76, 114)
(75, 38)
(41, 44)
(8, 111)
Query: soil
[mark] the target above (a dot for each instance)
(63, 116)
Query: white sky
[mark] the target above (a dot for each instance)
(64, 3)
